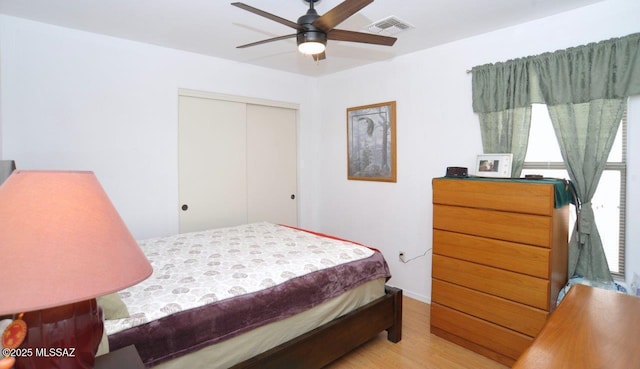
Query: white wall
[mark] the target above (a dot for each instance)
(82, 101)
(437, 128)
(76, 100)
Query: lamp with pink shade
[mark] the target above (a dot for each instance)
(62, 244)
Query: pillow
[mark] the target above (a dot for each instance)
(113, 307)
(103, 348)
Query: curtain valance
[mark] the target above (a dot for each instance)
(608, 69)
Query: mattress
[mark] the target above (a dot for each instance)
(208, 287)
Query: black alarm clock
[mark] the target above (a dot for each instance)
(458, 172)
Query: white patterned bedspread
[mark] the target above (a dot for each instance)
(194, 269)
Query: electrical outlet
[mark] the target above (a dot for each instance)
(401, 256)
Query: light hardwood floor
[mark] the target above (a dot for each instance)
(417, 349)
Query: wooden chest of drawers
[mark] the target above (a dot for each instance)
(499, 261)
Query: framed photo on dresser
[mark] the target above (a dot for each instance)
(494, 165)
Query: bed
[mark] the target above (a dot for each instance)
(256, 296)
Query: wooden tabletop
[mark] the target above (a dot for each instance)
(591, 328)
(124, 358)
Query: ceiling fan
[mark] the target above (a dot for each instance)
(314, 30)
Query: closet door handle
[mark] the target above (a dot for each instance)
(293, 196)
(184, 207)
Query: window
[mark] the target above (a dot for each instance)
(543, 157)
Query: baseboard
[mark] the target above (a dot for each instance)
(413, 295)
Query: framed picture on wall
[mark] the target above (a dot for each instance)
(494, 165)
(371, 142)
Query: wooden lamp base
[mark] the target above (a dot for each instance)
(64, 337)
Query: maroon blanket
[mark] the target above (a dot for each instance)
(183, 332)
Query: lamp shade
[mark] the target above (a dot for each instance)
(62, 241)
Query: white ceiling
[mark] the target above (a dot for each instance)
(214, 27)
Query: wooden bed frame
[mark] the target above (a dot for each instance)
(327, 343)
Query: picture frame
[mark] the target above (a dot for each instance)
(371, 142)
(494, 165)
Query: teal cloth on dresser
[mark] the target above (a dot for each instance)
(562, 187)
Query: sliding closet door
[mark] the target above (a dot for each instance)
(271, 164)
(237, 163)
(212, 163)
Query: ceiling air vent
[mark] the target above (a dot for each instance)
(389, 26)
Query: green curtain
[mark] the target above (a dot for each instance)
(507, 131)
(586, 132)
(585, 89)
(605, 70)
(504, 111)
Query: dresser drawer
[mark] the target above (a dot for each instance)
(493, 337)
(518, 317)
(530, 198)
(515, 227)
(516, 257)
(509, 285)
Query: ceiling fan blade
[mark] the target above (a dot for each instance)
(367, 38)
(269, 15)
(266, 41)
(338, 14)
(318, 57)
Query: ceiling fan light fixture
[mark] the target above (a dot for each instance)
(311, 48)
(312, 42)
